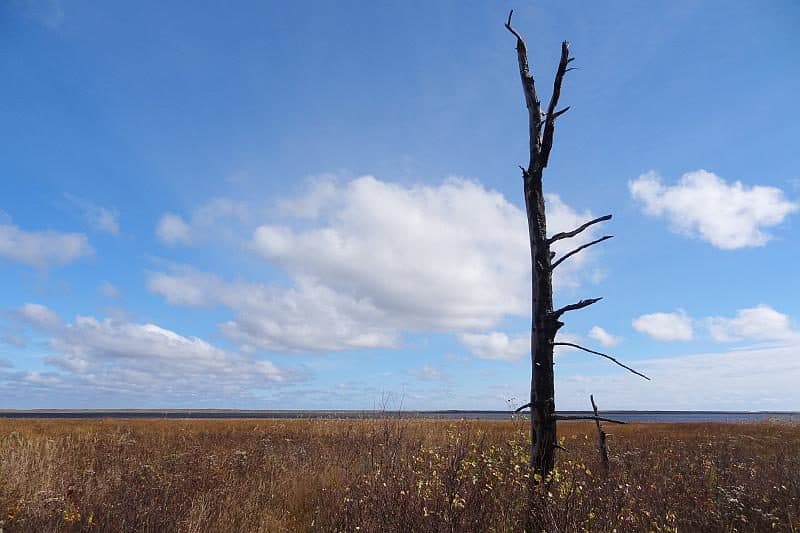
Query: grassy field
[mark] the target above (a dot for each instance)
(390, 475)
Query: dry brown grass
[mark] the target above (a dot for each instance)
(389, 475)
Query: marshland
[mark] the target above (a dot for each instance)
(392, 475)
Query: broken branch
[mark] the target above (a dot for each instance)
(573, 345)
(595, 418)
(578, 249)
(531, 101)
(550, 122)
(509, 28)
(573, 307)
(568, 234)
(518, 409)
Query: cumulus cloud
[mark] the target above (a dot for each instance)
(38, 315)
(427, 373)
(561, 217)
(727, 215)
(755, 323)
(307, 317)
(604, 337)
(370, 260)
(665, 327)
(310, 317)
(17, 341)
(126, 357)
(752, 379)
(41, 248)
(497, 346)
(451, 256)
(174, 229)
(99, 218)
(41, 378)
(108, 289)
(322, 194)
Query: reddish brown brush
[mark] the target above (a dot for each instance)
(390, 475)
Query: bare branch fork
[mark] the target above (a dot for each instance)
(579, 347)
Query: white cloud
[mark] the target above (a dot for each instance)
(307, 317)
(41, 248)
(190, 289)
(451, 256)
(702, 204)
(753, 379)
(561, 217)
(218, 209)
(603, 337)
(18, 341)
(108, 290)
(755, 323)
(172, 229)
(665, 327)
(41, 378)
(566, 337)
(136, 358)
(99, 218)
(38, 315)
(427, 373)
(497, 346)
(370, 260)
(322, 194)
(205, 220)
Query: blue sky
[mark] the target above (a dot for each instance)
(318, 205)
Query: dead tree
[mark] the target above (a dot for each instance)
(546, 320)
(602, 439)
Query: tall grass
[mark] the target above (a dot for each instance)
(390, 475)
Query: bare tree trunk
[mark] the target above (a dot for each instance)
(543, 421)
(545, 323)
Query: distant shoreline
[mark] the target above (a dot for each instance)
(624, 415)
